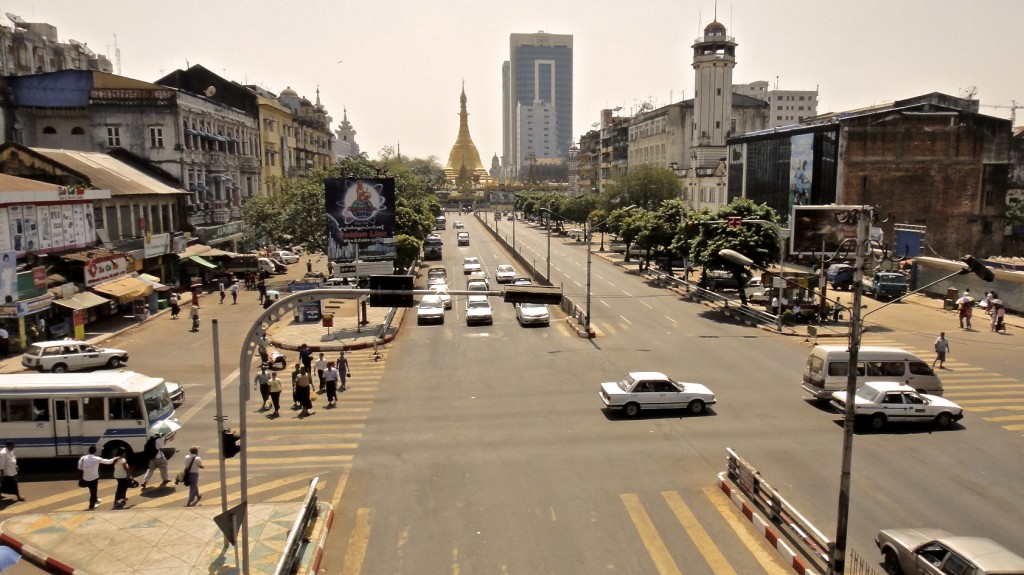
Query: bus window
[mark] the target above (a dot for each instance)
(124, 408)
(16, 410)
(92, 409)
(40, 410)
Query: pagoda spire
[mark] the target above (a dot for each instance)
(464, 157)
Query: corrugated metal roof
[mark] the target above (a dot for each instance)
(108, 173)
(16, 184)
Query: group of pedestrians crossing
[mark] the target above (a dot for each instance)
(331, 376)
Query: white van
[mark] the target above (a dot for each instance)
(265, 265)
(828, 366)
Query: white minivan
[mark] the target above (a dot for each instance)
(828, 366)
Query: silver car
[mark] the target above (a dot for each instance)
(532, 314)
(934, 552)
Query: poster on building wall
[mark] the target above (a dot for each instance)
(360, 218)
(9, 276)
(816, 230)
(801, 167)
(43, 215)
(5, 235)
(57, 226)
(30, 225)
(17, 237)
(81, 225)
(67, 213)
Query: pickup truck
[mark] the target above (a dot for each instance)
(885, 285)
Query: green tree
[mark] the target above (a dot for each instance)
(759, 242)
(645, 187)
(1015, 213)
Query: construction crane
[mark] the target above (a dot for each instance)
(1013, 107)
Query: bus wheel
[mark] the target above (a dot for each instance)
(110, 448)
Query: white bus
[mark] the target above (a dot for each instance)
(55, 415)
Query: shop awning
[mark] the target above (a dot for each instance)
(202, 262)
(82, 300)
(153, 281)
(125, 289)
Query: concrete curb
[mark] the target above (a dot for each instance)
(767, 531)
(319, 535)
(37, 557)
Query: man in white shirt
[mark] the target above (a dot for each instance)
(9, 472)
(320, 365)
(89, 465)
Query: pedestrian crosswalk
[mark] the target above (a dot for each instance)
(991, 396)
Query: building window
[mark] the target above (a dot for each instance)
(718, 92)
(156, 137)
(97, 217)
(49, 130)
(113, 136)
(994, 183)
(76, 131)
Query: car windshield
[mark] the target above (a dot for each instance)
(430, 304)
(534, 306)
(626, 383)
(478, 305)
(505, 269)
(472, 261)
(868, 393)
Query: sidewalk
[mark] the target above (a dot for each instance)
(186, 541)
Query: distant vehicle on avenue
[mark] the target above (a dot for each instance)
(641, 390)
(68, 355)
(504, 273)
(471, 265)
(532, 314)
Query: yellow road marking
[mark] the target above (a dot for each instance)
(1001, 393)
(294, 460)
(313, 437)
(272, 448)
(352, 564)
(1014, 427)
(698, 534)
(649, 535)
(1004, 418)
(742, 530)
(983, 401)
(956, 388)
(996, 408)
(339, 489)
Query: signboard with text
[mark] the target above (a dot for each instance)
(360, 218)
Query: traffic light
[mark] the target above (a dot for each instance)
(391, 283)
(735, 222)
(533, 294)
(229, 443)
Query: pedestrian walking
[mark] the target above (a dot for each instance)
(1000, 316)
(993, 303)
(123, 475)
(174, 301)
(223, 292)
(963, 306)
(309, 265)
(320, 366)
(343, 371)
(89, 465)
(303, 385)
(195, 296)
(234, 293)
(264, 346)
(261, 286)
(941, 348)
(275, 393)
(295, 377)
(193, 313)
(193, 463)
(306, 357)
(9, 472)
(154, 452)
(262, 382)
(330, 378)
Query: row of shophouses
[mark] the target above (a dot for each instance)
(115, 190)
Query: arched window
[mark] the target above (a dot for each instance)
(77, 131)
(49, 130)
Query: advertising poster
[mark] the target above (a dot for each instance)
(816, 230)
(57, 227)
(43, 213)
(9, 276)
(5, 236)
(30, 226)
(67, 214)
(14, 219)
(360, 218)
(801, 165)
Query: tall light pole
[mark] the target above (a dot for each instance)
(587, 233)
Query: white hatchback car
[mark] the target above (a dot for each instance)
(471, 265)
(65, 355)
(431, 309)
(478, 310)
(504, 273)
(284, 257)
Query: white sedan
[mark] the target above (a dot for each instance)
(505, 274)
(532, 314)
(471, 265)
(880, 402)
(653, 390)
(478, 310)
(431, 309)
(441, 291)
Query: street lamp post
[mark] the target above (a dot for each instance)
(590, 254)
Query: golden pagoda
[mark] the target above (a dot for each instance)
(464, 163)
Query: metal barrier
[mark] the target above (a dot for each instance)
(790, 522)
(297, 534)
(724, 302)
(858, 565)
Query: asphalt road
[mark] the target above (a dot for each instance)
(485, 449)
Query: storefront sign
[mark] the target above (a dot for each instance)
(156, 245)
(26, 307)
(39, 277)
(100, 270)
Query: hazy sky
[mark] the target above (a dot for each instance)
(398, 65)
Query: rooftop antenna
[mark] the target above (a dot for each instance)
(117, 56)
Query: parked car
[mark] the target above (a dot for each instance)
(284, 257)
(504, 274)
(471, 265)
(478, 310)
(463, 238)
(441, 291)
(532, 314)
(914, 551)
(176, 392)
(653, 390)
(756, 291)
(879, 402)
(840, 276)
(68, 355)
(430, 309)
(885, 285)
(719, 280)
